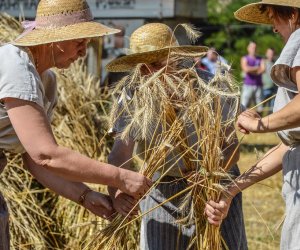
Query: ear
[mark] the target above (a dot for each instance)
(295, 17)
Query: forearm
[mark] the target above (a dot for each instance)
(268, 166)
(120, 156)
(286, 118)
(68, 189)
(119, 162)
(76, 167)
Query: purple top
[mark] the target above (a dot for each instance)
(252, 79)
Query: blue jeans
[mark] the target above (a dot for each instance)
(252, 93)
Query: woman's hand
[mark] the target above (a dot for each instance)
(133, 184)
(123, 204)
(216, 212)
(249, 121)
(99, 204)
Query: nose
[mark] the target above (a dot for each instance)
(83, 47)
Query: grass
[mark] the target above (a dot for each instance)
(263, 203)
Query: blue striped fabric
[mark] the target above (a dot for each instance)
(160, 231)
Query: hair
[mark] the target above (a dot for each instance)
(282, 12)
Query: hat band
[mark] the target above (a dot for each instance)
(61, 20)
(148, 48)
(56, 21)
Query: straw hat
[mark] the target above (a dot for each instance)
(251, 13)
(61, 20)
(152, 43)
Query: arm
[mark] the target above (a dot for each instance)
(286, 118)
(248, 69)
(97, 203)
(34, 131)
(268, 166)
(262, 67)
(121, 156)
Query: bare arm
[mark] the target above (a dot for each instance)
(248, 69)
(121, 156)
(268, 166)
(262, 67)
(286, 118)
(34, 131)
(96, 202)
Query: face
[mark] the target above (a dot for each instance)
(270, 54)
(67, 52)
(280, 25)
(212, 55)
(252, 48)
(156, 66)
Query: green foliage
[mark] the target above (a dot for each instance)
(233, 36)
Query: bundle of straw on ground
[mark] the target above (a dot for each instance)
(159, 109)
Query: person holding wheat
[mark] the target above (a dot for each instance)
(58, 37)
(154, 117)
(285, 18)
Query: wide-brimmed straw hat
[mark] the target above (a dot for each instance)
(61, 20)
(251, 13)
(151, 43)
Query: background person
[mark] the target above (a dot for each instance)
(252, 67)
(214, 62)
(269, 88)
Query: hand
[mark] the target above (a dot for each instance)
(99, 204)
(216, 212)
(133, 184)
(249, 121)
(123, 204)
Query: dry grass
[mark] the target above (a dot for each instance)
(262, 203)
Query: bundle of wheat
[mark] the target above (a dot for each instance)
(159, 108)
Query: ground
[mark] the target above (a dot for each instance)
(263, 205)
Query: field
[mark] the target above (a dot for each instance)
(262, 203)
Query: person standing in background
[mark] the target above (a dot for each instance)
(213, 61)
(253, 67)
(269, 88)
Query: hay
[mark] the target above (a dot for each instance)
(158, 109)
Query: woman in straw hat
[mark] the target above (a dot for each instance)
(153, 49)
(58, 37)
(284, 15)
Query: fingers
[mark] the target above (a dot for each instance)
(104, 201)
(216, 212)
(124, 203)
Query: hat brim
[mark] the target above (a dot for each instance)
(251, 13)
(128, 62)
(70, 32)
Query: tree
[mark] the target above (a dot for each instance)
(233, 36)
